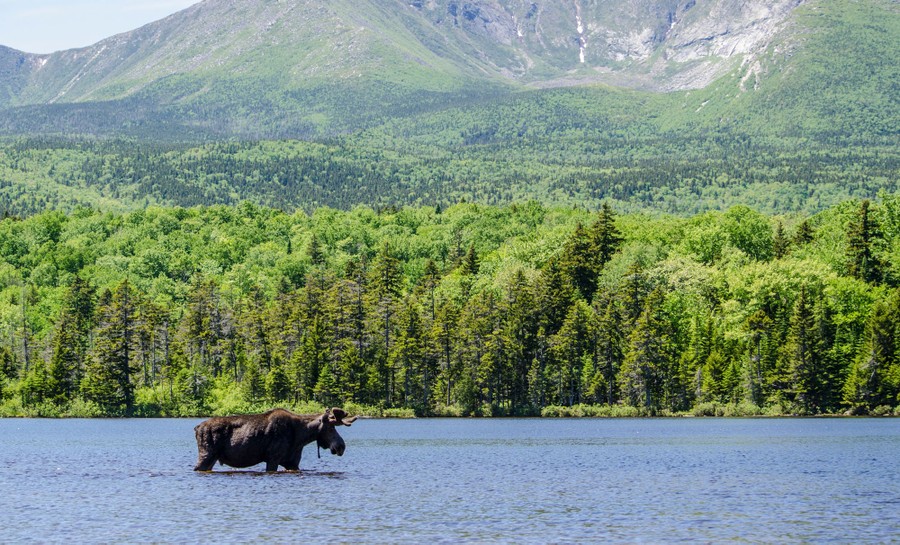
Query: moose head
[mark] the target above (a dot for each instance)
(328, 437)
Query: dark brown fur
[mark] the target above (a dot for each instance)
(276, 437)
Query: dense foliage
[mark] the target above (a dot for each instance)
(472, 309)
(591, 162)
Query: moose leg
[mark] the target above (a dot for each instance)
(293, 464)
(205, 462)
(271, 466)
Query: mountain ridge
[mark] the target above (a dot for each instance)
(387, 56)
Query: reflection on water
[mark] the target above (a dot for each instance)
(279, 474)
(451, 481)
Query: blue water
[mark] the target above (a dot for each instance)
(457, 481)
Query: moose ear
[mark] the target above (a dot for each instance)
(326, 417)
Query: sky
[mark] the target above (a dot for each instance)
(45, 26)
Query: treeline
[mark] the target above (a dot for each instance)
(512, 310)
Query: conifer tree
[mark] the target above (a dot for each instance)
(71, 343)
(644, 372)
(606, 239)
(385, 286)
(471, 262)
(803, 352)
(556, 295)
(780, 242)
(874, 378)
(519, 323)
(108, 379)
(578, 260)
(805, 234)
(408, 354)
(573, 346)
(610, 348)
(862, 234)
(314, 251)
(278, 384)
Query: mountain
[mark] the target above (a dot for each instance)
(679, 106)
(274, 68)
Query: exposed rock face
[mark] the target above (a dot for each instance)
(662, 44)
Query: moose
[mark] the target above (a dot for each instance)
(276, 437)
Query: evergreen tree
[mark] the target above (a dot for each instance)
(805, 234)
(408, 355)
(385, 287)
(574, 345)
(253, 383)
(874, 378)
(780, 242)
(556, 295)
(71, 343)
(65, 364)
(806, 353)
(314, 251)
(108, 379)
(862, 234)
(37, 386)
(519, 323)
(8, 370)
(633, 292)
(606, 239)
(610, 349)
(644, 372)
(578, 261)
(278, 384)
(470, 263)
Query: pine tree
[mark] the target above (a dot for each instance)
(862, 234)
(314, 251)
(385, 287)
(874, 378)
(65, 364)
(519, 323)
(578, 261)
(644, 373)
(556, 295)
(780, 242)
(803, 352)
(571, 347)
(633, 292)
(71, 343)
(253, 383)
(606, 239)
(278, 384)
(805, 234)
(408, 354)
(107, 379)
(471, 262)
(610, 348)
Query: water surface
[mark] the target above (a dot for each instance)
(452, 481)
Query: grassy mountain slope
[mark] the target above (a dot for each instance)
(267, 68)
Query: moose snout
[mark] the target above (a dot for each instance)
(338, 448)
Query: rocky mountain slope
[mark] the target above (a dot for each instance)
(275, 68)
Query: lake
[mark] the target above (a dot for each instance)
(463, 480)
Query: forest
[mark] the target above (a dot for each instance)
(467, 309)
(551, 161)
